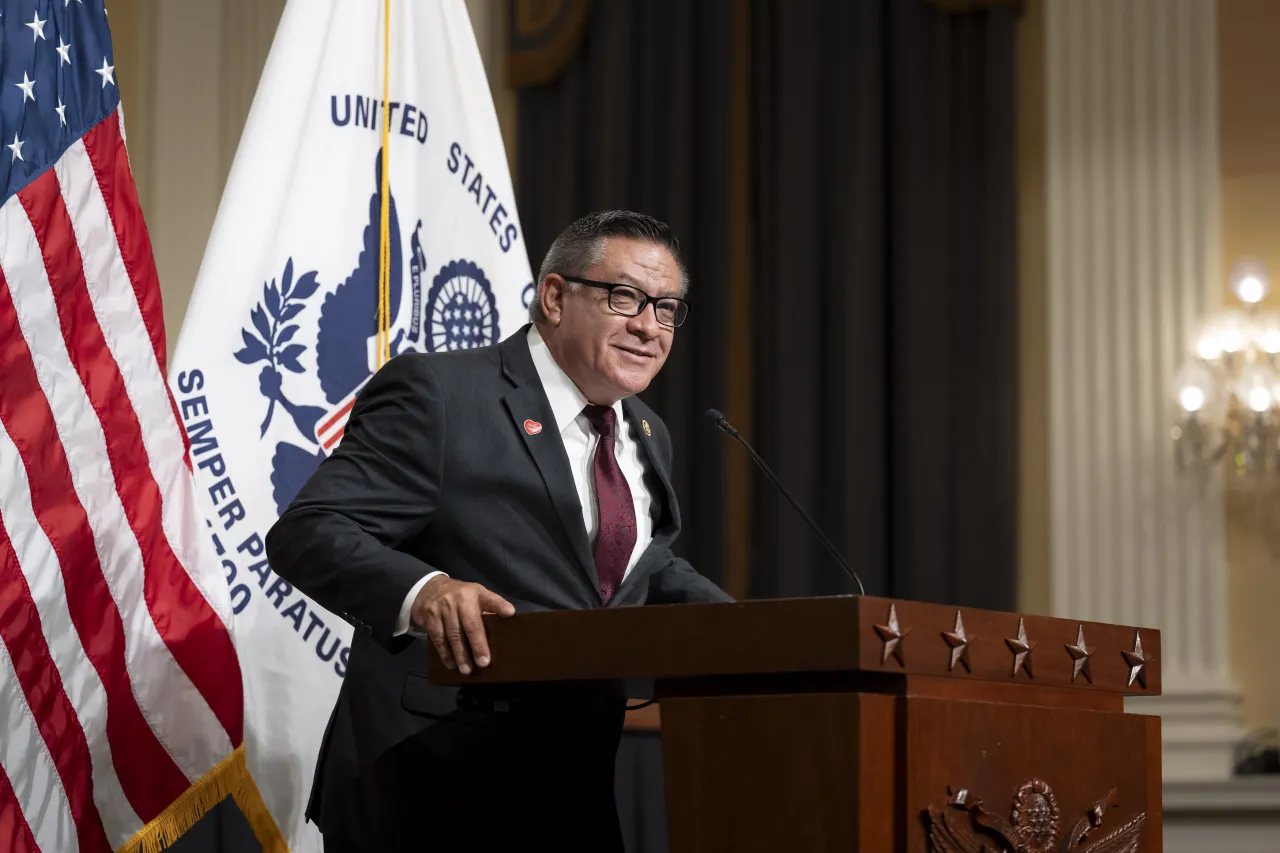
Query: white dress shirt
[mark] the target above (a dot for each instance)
(567, 403)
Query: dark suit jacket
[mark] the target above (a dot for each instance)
(436, 471)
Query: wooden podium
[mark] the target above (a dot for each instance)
(870, 724)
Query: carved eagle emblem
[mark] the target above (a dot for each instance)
(1034, 826)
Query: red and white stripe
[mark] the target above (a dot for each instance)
(333, 423)
(33, 598)
(119, 682)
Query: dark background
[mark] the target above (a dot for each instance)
(858, 318)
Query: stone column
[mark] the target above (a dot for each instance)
(1133, 265)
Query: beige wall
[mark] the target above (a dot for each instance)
(1249, 137)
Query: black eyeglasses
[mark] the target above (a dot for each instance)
(630, 301)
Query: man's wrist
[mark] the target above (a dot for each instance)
(405, 623)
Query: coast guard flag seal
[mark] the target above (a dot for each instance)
(120, 694)
(283, 329)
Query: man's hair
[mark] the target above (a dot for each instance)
(582, 244)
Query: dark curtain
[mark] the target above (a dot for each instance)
(639, 121)
(883, 275)
(884, 282)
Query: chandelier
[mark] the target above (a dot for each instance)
(1228, 392)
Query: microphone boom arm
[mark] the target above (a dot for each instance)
(721, 422)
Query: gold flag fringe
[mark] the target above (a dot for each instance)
(228, 776)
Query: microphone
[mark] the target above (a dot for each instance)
(720, 421)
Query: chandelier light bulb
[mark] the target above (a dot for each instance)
(1259, 399)
(1228, 332)
(1253, 388)
(1194, 387)
(1231, 338)
(1208, 346)
(1249, 281)
(1191, 399)
(1267, 334)
(1250, 290)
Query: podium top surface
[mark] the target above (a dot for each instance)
(838, 634)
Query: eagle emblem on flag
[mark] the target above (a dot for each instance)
(459, 312)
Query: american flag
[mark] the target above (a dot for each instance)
(119, 684)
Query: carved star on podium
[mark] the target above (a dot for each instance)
(1080, 656)
(959, 643)
(891, 635)
(1136, 661)
(1021, 649)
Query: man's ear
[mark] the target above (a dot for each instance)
(552, 295)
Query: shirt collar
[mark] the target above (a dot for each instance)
(567, 402)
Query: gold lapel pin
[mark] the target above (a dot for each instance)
(645, 424)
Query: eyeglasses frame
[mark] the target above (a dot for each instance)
(644, 303)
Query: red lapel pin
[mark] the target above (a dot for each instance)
(532, 427)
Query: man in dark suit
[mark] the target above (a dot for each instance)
(522, 476)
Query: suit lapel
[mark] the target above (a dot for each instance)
(671, 509)
(530, 412)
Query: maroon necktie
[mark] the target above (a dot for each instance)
(615, 512)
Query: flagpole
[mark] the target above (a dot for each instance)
(384, 241)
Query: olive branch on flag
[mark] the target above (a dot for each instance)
(271, 320)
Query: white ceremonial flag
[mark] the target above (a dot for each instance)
(281, 332)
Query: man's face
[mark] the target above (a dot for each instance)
(608, 355)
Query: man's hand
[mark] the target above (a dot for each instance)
(449, 611)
